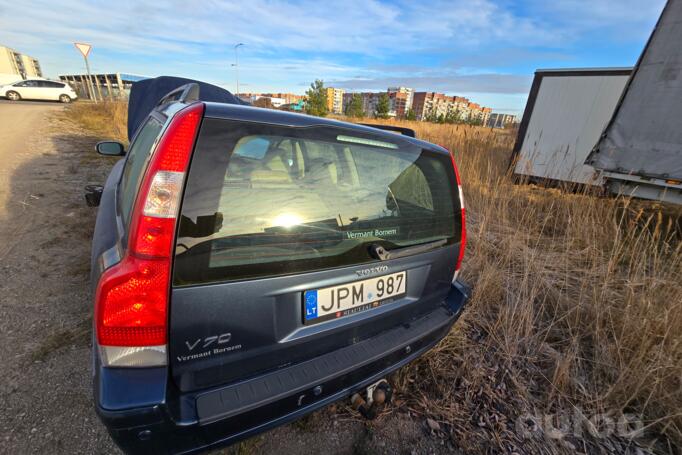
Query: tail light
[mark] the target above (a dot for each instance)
(463, 241)
(131, 303)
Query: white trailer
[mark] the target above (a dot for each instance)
(640, 151)
(566, 112)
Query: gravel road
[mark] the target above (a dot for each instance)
(45, 308)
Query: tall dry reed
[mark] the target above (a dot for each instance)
(108, 119)
(577, 301)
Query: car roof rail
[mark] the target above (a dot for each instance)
(398, 129)
(184, 94)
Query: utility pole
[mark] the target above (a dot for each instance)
(236, 64)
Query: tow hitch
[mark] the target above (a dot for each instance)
(377, 395)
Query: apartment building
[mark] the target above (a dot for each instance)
(400, 99)
(427, 105)
(335, 100)
(485, 115)
(347, 98)
(15, 65)
(430, 104)
(369, 102)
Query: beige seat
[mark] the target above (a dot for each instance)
(322, 172)
(275, 170)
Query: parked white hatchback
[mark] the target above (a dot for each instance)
(38, 89)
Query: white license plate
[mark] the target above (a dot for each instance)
(338, 301)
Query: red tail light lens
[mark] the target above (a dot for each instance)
(463, 243)
(131, 304)
(131, 299)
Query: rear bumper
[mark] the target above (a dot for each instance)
(191, 423)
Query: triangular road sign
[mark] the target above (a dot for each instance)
(84, 48)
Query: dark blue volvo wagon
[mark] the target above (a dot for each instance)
(251, 266)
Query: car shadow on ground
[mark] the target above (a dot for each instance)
(46, 304)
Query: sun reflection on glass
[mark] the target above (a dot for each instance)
(287, 220)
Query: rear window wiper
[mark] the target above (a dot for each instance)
(383, 254)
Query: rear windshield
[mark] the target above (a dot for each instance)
(264, 200)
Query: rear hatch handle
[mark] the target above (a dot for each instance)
(383, 254)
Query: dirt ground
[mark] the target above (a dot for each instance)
(45, 309)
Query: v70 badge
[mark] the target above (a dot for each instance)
(208, 341)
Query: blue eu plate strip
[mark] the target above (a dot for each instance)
(310, 298)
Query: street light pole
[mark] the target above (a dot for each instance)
(236, 64)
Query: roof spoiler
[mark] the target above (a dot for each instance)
(185, 94)
(397, 129)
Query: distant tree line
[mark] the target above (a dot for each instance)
(452, 117)
(316, 104)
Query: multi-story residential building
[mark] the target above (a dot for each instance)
(398, 104)
(369, 102)
(461, 108)
(347, 98)
(419, 104)
(430, 105)
(497, 120)
(400, 99)
(15, 65)
(335, 100)
(476, 113)
(485, 115)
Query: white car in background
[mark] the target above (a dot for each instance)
(38, 89)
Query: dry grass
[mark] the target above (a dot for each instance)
(576, 308)
(108, 119)
(576, 305)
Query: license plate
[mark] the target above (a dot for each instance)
(346, 299)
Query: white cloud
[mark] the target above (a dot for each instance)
(436, 45)
(452, 83)
(367, 27)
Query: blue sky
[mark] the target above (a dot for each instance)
(484, 49)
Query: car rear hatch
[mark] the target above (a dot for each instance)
(295, 242)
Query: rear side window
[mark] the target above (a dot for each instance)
(50, 84)
(135, 164)
(264, 200)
